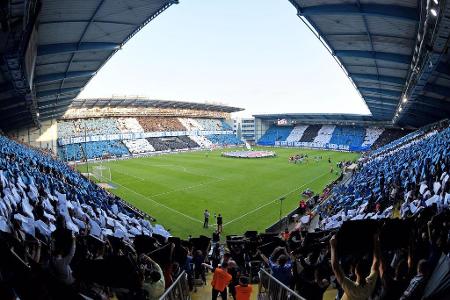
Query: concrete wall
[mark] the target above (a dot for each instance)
(44, 137)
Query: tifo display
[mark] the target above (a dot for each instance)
(95, 138)
(249, 154)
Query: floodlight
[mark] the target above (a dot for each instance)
(434, 12)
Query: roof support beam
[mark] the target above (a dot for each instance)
(52, 113)
(443, 68)
(65, 62)
(381, 107)
(14, 116)
(378, 10)
(54, 104)
(47, 102)
(437, 89)
(87, 21)
(381, 78)
(435, 105)
(44, 94)
(381, 99)
(387, 104)
(392, 57)
(7, 107)
(380, 91)
(76, 47)
(59, 76)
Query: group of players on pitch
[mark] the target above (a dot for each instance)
(218, 218)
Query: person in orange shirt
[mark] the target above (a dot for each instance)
(220, 281)
(243, 290)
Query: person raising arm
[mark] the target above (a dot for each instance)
(366, 275)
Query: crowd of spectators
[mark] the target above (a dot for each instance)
(138, 146)
(172, 143)
(350, 135)
(121, 148)
(389, 135)
(201, 140)
(155, 124)
(92, 150)
(209, 124)
(357, 138)
(62, 236)
(224, 139)
(109, 131)
(405, 179)
(89, 127)
(127, 125)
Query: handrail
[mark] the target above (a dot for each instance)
(179, 290)
(275, 289)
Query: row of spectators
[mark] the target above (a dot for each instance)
(87, 127)
(153, 124)
(106, 149)
(356, 137)
(172, 143)
(109, 126)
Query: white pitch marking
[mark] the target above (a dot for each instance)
(128, 174)
(160, 204)
(274, 200)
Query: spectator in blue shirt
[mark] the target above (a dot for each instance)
(280, 264)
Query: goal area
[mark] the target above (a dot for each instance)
(102, 173)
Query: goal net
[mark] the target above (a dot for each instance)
(102, 173)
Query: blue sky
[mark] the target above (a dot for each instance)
(255, 54)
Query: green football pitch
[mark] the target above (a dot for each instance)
(176, 188)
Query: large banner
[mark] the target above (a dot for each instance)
(320, 146)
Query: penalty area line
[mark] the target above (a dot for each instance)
(274, 200)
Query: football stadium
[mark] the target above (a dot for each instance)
(136, 197)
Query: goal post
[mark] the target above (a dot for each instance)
(101, 173)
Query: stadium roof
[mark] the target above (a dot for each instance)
(390, 49)
(52, 48)
(142, 102)
(385, 47)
